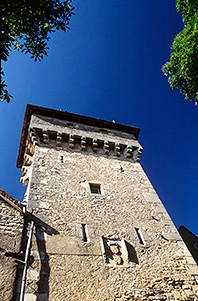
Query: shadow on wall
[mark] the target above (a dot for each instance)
(132, 253)
(37, 280)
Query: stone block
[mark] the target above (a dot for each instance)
(30, 297)
(167, 222)
(32, 275)
(186, 252)
(61, 244)
(182, 245)
(158, 208)
(37, 255)
(172, 236)
(193, 269)
(44, 205)
(190, 260)
(151, 197)
(35, 297)
(42, 217)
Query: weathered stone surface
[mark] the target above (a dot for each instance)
(61, 244)
(7, 277)
(10, 243)
(37, 297)
(30, 297)
(111, 262)
(151, 197)
(172, 236)
(11, 226)
(190, 260)
(32, 274)
(193, 269)
(11, 222)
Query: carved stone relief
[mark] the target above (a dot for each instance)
(115, 252)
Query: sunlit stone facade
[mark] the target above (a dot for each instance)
(101, 231)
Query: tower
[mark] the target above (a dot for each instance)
(100, 230)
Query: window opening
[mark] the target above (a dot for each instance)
(139, 234)
(61, 159)
(84, 232)
(95, 188)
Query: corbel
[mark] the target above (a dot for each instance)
(137, 154)
(45, 137)
(128, 152)
(83, 143)
(95, 145)
(117, 150)
(34, 137)
(59, 139)
(106, 148)
(27, 160)
(71, 141)
(30, 149)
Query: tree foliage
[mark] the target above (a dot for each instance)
(26, 26)
(182, 70)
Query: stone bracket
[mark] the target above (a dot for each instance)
(83, 143)
(71, 141)
(106, 148)
(45, 137)
(113, 148)
(59, 139)
(95, 145)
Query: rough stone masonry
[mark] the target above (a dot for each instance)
(103, 233)
(11, 227)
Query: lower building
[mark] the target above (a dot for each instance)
(11, 233)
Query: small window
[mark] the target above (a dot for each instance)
(95, 188)
(140, 237)
(84, 232)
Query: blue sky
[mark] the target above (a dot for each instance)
(109, 66)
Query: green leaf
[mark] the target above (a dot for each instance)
(182, 70)
(27, 26)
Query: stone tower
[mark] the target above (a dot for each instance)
(101, 231)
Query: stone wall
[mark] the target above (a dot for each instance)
(118, 244)
(11, 227)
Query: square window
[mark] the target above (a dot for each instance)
(95, 188)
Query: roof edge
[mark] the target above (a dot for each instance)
(10, 200)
